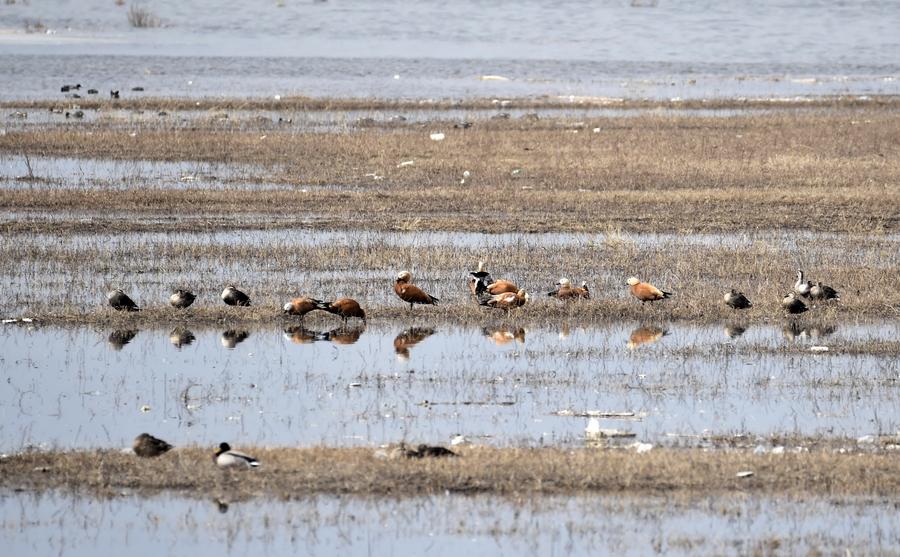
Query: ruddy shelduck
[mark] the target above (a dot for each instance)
(234, 297)
(565, 291)
(646, 292)
(737, 300)
(120, 301)
(345, 308)
(301, 306)
(507, 300)
(410, 293)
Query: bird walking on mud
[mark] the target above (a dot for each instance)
(410, 293)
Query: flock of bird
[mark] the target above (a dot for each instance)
(500, 294)
(148, 446)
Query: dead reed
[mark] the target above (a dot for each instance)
(295, 472)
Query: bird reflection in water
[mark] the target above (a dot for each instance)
(734, 330)
(645, 335)
(298, 334)
(232, 338)
(812, 331)
(120, 337)
(344, 335)
(409, 338)
(181, 337)
(505, 335)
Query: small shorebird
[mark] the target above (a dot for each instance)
(792, 304)
(147, 446)
(181, 299)
(646, 292)
(737, 300)
(822, 292)
(345, 308)
(234, 297)
(565, 291)
(120, 301)
(301, 306)
(410, 293)
(224, 457)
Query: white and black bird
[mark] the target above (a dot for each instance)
(802, 287)
(225, 457)
(234, 297)
(120, 301)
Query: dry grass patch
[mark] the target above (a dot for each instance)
(288, 473)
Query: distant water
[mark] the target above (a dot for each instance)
(391, 49)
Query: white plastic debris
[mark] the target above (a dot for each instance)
(459, 440)
(437, 136)
(818, 349)
(6, 321)
(406, 163)
(494, 78)
(641, 448)
(145, 408)
(277, 97)
(778, 450)
(355, 384)
(866, 440)
(744, 474)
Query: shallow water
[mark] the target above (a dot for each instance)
(446, 525)
(501, 384)
(434, 49)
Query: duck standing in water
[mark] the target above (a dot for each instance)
(410, 293)
(225, 457)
